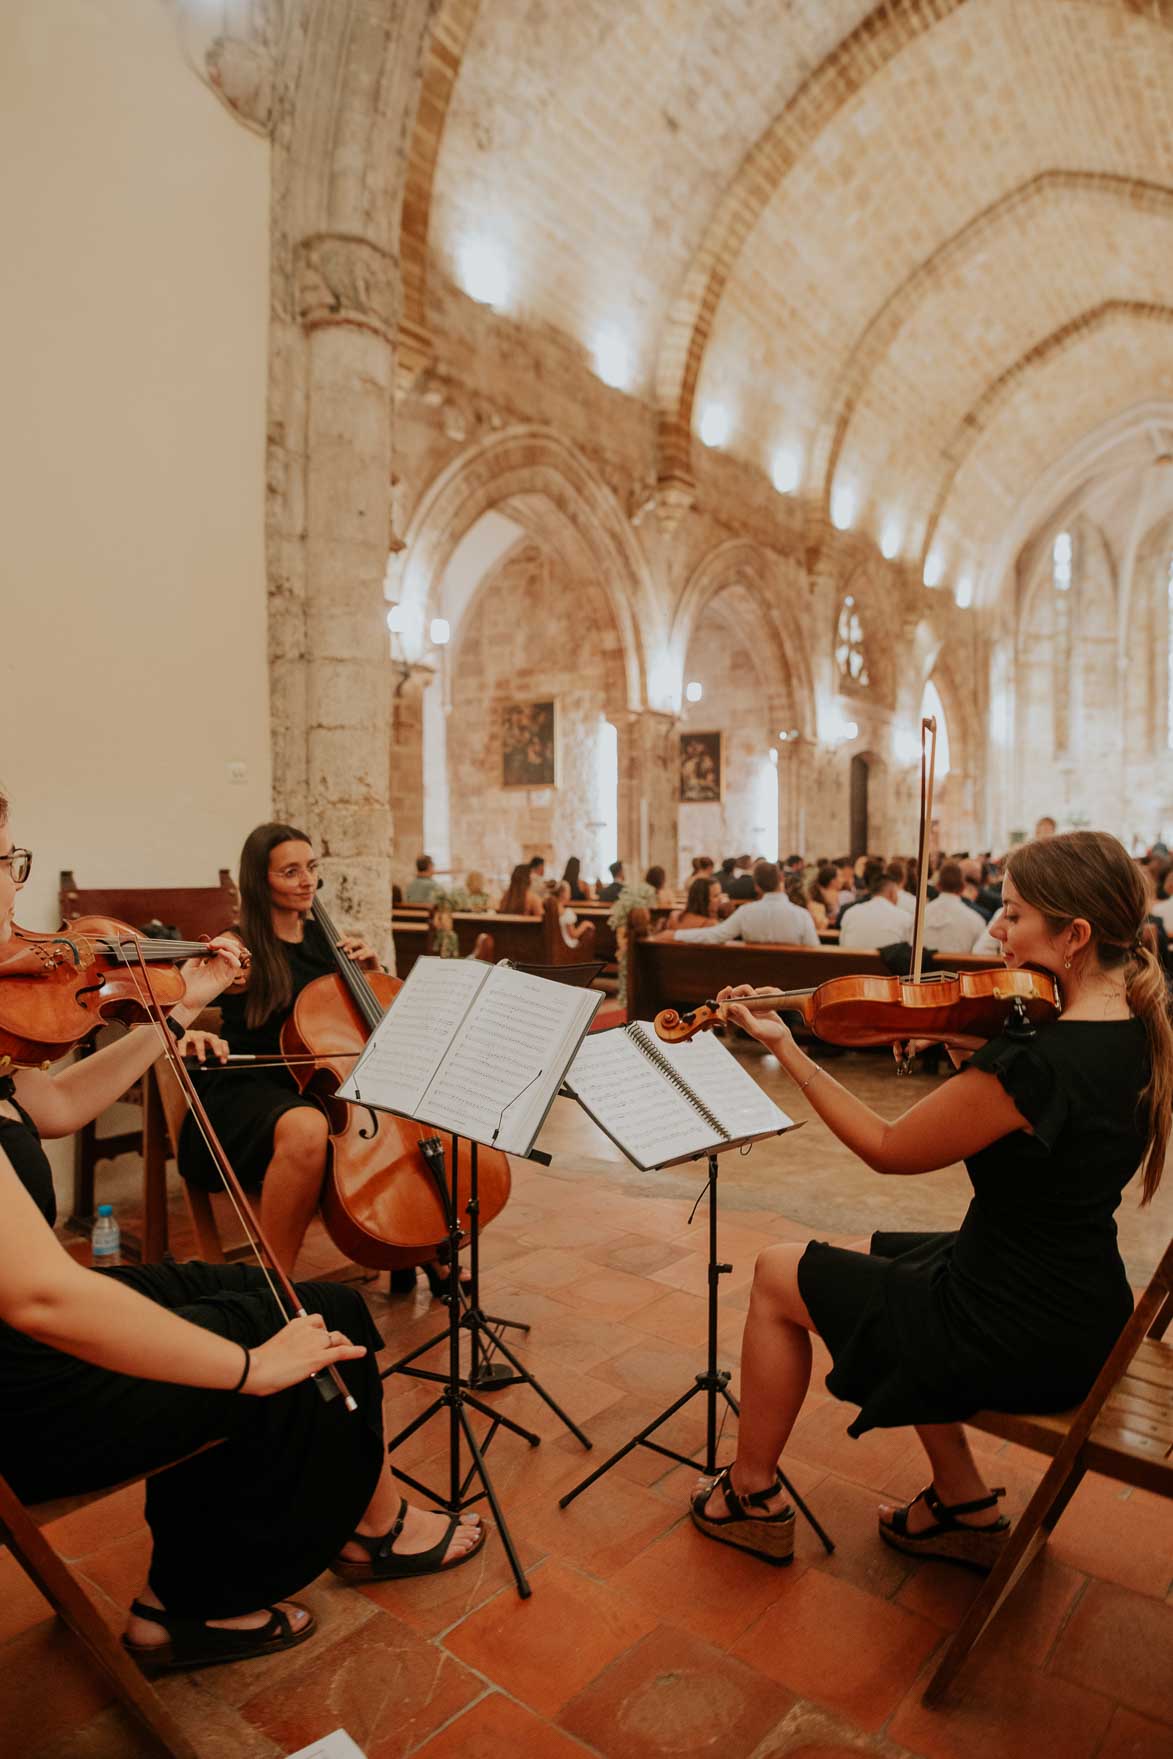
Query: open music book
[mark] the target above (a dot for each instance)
(477, 1050)
(662, 1103)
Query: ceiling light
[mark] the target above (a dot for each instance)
(694, 691)
(934, 568)
(396, 619)
(483, 272)
(964, 594)
(716, 424)
(890, 539)
(613, 359)
(843, 507)
(439, 631)
(786, 470)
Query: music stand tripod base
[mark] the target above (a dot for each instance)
(713, 1383)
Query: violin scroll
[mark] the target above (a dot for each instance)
(677, 1028)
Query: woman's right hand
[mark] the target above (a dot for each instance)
(297, 1352)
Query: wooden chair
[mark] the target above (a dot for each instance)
(194, 910)
(1124, 1429)
(21, 1530)
(163, 1084)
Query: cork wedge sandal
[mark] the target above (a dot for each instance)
(770, 1537)
(949, 1539)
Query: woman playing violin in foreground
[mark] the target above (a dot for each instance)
(105, 1375)
(1017, 1310)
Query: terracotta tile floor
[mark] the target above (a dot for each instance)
(640, 1638)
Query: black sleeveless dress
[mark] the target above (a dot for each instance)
(245, 1524)
(1017, 1310)
(244, 1104)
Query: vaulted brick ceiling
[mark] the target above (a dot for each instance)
(923, 246)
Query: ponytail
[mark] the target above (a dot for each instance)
(1148, 997)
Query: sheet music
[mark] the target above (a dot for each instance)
(717, 1078)
(650, 1119)
(403, 1055)
(491, 1087)
(475, 1049)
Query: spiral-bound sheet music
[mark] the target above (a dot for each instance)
(662, 1103)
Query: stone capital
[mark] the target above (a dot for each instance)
(347, 281)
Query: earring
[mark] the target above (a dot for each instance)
(1067, 964)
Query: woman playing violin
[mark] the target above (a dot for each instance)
(276, 1136)
(105, 1375)
(1019, 1308)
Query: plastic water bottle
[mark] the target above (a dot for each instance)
(106, 1238)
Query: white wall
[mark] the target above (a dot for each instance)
(134, 214)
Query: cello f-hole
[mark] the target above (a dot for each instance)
(371, 1129)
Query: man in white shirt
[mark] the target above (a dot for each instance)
(878, 922)
(772, 917)
(951, 925)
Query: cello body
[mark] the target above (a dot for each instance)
(380, 1203)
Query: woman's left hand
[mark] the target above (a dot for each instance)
(769, 1029)
(199, 1046)
(360, 953)
(205, 979)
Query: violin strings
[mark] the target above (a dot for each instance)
(149, 1001)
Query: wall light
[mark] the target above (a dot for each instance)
(843, 507)
(439, 631)
(396, 619)
(694, 691)
(716, 424)
(786, 470)
(790, 733)
(890, 540)
(934, 568)
(483, 271)
(613, 359)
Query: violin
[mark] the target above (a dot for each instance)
(865, 1011)
(55, 989)
(944, 1007)
(381, 1203)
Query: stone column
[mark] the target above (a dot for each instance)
(648, 785)
(406, 768)
(347, 297)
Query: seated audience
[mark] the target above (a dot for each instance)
(580, 892)
(520, 897)
(423, 888)
(879, 920)
(951, 925)
(701, 868)
(609, 894)
(700, 907)
(645, 894)
(845, 871)
(822, 899)
(1163, 906)
(897, 870)
(771, 917)
(972, 874)
(572, 929)
(537, 870)
(990, 896)
(740, 883)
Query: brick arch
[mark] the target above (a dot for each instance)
(443, 54)
(877, 40)
(740, 562)
(1015, 206)
(533, 462)
(976, 420)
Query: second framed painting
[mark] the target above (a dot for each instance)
(702, 772)
(529, 745)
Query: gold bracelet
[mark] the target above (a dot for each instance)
(803, 1085)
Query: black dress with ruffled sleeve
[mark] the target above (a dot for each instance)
(1019, 1308)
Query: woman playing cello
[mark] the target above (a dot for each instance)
(105, 1375)
(1019, 1308)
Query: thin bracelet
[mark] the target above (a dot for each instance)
(803, 1085)
(245, 1371)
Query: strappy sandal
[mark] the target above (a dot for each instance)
(382, 1564)
(194, 1643)
(770, 1537)
(979, 1548)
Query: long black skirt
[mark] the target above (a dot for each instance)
(243, 1524)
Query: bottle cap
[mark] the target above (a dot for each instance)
(105, 1209)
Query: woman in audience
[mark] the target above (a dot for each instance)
(109, 1374)
(470, 896)
(700, 906)
(572, 929)
(580, 892)
(520, 897)
(1017, 1310)
(647, 894)
(823, 897)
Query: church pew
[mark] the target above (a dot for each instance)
(411, 938)
(605, 945)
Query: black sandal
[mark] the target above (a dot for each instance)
(382, 1564)
(770, 1537)
(439, 1275)
(949, 1539)
(194, 1643)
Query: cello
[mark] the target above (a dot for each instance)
(380, 1202)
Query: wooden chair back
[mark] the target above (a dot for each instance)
(193, 910)
(1123, 1429)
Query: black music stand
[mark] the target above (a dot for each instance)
(713, 1383)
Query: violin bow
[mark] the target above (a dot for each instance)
(928, 765)
(327, 1380)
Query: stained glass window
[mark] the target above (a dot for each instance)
(849, 650)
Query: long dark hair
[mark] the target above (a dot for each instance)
(571, 871)
(270, 987)
(517, 891)
(1090, 874)
(698, 902)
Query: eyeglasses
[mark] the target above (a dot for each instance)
(294, 873)
(19, 863)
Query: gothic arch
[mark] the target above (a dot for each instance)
(533, 461)
(739, 562)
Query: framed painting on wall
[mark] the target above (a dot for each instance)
(701, 767)
(529, 745)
